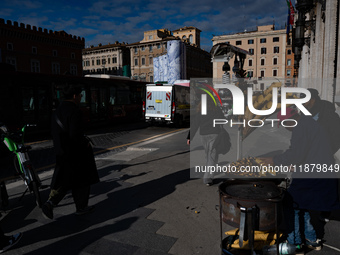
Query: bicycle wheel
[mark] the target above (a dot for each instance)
(34, 184)
(17, 167)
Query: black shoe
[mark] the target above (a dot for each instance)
(47, 210)
(12, 240)
(86, 210)
(316, 245)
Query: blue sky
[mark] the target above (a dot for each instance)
(126, 20)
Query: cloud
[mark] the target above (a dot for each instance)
(24, 4)
(106, 21)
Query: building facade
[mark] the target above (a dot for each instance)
(268, 50)
(107, 59)
(316, 47)
(192, 35)
(154, 44)
(32, 49)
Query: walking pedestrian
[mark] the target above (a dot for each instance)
(75, 168)
(208, 134)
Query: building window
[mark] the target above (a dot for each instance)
(56, 68)
(150, 48)
(289, 62)
(73, 55)
(73, 69)
(289, 72)
(93, 62)
(274, 61)
(250, 62)
(289, 41)
(184, 37)
(34, 50)
(9, 46)
(151, 78)
(98, 62)
(114, 60)
(143, 61)
(54, 53)
(109, 60)
(191, 39)
(263, 40)
(251, 51)
(35, 66)
(262, 84)
(238, 42)
(262, 62)
(136, 50)
(158, 46)
(150, 60)
(276, 49)
(150, 37)
(262, 73)
(12, 61)
(276, 39)
(103, 61)
(250, 74)
(136, 61)
(143, 48)
(251, 41)
(263, 50)
(274, 73)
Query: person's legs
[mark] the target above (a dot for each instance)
(310, 233)
(81, 197)
(56, 195)
(294, 235)
(211, 156)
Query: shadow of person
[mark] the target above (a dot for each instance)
(112, 202)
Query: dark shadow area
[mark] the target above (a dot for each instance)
(119, 202)
(153, 160)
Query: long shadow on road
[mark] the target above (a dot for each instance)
(111, 216)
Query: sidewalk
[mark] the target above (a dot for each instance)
(146, 204)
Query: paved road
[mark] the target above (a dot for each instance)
(146, 202)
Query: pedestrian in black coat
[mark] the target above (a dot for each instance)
(75, 165)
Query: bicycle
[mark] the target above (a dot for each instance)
(22, 163)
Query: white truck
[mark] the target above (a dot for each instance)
(168, 103)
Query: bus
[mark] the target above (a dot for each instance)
(32, 98)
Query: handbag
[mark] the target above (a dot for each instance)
(222, 143)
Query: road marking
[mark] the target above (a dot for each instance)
(336, 249)
(140, 141)
(143, 141)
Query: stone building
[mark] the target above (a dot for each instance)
(154, 44)
(192, 35)
(268, 50)
(32, 49)
(316, 47)
(107, 59)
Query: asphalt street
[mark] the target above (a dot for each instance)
(146, 203)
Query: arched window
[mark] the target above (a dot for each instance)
(184, 37)
(191, 39)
